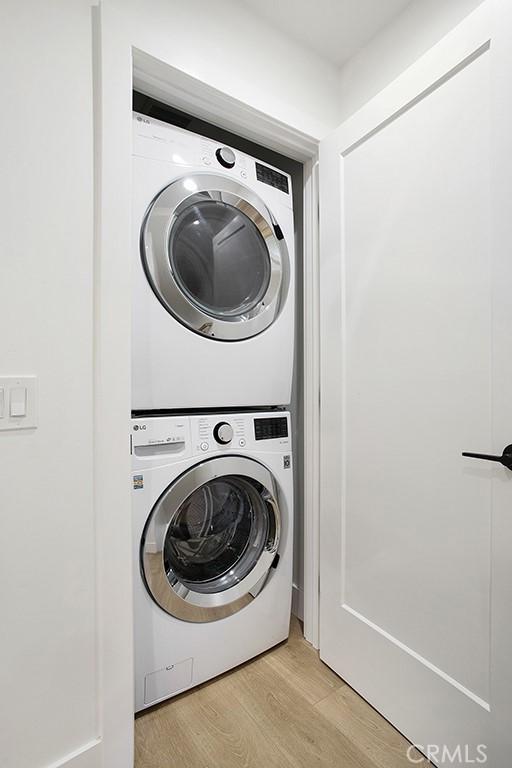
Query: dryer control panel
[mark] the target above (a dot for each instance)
(183, 149)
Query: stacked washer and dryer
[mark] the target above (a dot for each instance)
(213, 339)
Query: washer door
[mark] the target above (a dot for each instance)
(211, 539)
(212, 256)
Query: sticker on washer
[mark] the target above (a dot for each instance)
(287, 462)
(138, 482)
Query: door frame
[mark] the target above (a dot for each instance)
(119, 67)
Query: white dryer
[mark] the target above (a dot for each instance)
(213, 274)
(213, 545)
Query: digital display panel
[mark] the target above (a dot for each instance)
(273, 178)
(270, 428)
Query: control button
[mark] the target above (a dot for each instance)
(18, 401)
(223, 432)
(226, 157)
(204, 446)
(241, 442)
(207, 160)
(243, 174)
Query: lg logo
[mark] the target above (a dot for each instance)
(138, 426)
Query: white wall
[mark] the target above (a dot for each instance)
(224, 45)
(411, 33)
(47, 570)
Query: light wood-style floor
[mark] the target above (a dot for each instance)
(284, 709)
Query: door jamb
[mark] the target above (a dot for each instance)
(311, 406)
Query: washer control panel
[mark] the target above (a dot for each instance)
(239, 432)
(211, 433)
(157, 438)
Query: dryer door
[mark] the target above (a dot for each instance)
(215, 257)
(211, 539)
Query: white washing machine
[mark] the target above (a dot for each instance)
(213, 545)
(213, 274)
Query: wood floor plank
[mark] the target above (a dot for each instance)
(357, 720)
(202, 729)
(298, 663)
(287, 720)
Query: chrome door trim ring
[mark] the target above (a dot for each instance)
(155, 234)
(177, 599)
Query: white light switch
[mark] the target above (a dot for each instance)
(18, 402)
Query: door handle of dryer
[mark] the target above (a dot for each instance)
(277, 229)
(505, 459)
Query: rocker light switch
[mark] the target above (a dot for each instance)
(18, 402)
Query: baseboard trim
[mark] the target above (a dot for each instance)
(86, 756)
(298, 602)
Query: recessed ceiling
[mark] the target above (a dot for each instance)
(334, 29)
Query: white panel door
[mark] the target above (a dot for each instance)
(413, 310)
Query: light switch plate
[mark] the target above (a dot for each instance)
(11, 387)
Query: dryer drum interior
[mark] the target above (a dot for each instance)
(211, 539)
(219, 259)
(213, 258)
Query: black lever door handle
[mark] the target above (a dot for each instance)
(505, 458)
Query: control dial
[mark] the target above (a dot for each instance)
(223, 432)
(226, 157)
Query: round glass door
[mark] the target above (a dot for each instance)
(211, 538)
(213, 259)
(219, 259)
